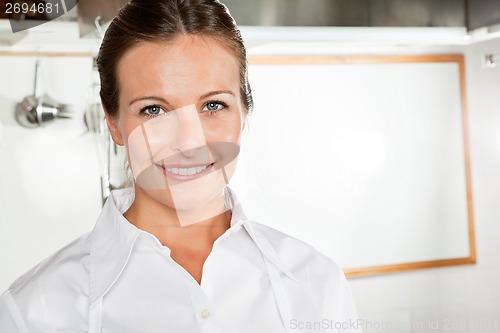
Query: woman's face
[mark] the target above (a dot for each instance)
(180, 118)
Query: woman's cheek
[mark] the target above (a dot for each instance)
(225, 130)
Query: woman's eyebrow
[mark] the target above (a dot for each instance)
(149, 97)
(163, 100)
(217, 92)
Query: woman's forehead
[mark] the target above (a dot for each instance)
(186, 62)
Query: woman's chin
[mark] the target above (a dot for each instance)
(189, 202)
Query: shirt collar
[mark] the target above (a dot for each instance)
(113, 239)
(258, 237)
(111, 243)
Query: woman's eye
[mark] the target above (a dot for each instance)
(152, 110)
(214, 106)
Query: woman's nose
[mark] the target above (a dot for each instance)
(190, 137)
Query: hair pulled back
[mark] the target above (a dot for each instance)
(164, 20)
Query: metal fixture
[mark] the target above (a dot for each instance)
(36, 110)
(93, 14)
(491, 60)
(348, 13)
(112, 158)
(95, 121)
(317, 13)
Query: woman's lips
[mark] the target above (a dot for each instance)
(185, 172)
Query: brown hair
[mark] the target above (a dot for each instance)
(164, 20)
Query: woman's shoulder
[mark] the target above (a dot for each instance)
(54, 286)
(323, 280)
(297, 254)
(56, 280)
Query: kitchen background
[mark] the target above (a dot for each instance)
(50, 176)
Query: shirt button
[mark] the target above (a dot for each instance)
(205, 314)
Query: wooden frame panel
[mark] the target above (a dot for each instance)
(453, 58)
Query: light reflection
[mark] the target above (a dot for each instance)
(368, 151)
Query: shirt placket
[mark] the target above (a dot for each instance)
(202, 305)
(203, 308)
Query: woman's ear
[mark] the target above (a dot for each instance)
(243, 117)
(111, 121)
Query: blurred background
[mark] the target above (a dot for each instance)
(389, 108)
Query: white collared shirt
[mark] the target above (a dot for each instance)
(120, 279)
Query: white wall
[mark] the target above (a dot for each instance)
(457, 299)
(49, 176)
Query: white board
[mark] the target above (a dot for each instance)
(364, 161)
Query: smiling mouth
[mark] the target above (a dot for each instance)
(185, 173)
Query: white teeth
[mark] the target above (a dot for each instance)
(187, 171)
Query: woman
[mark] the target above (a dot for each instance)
(176, 253)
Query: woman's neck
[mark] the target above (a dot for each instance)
(192, 230)
(189, 244)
